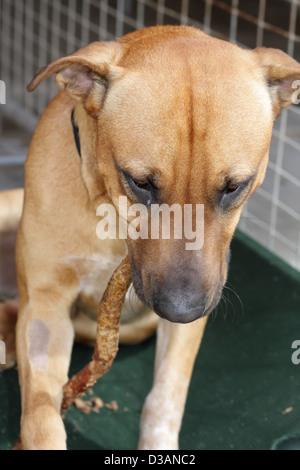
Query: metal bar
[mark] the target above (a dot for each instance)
(12, 160)
(234, 21)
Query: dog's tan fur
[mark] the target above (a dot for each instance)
(196, 113)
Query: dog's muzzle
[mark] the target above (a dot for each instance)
(179, 299)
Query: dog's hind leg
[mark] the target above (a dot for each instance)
(133, 332)
(11, 204)
(8, 320)
(177, 347)
(139, 329)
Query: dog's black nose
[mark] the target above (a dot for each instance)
(179, 307)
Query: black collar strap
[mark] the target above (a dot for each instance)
(76, 133)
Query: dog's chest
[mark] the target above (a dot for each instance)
(93, 275)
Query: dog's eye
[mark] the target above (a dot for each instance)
(231, 188)
(145, 186)
(230, 193)
(143, 190)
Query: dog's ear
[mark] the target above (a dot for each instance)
(86, 74)
(282, 74)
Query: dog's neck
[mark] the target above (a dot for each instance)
(85, 136)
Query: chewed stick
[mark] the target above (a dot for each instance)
(106, 348)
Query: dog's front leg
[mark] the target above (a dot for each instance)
(44, 344)
(177, 347)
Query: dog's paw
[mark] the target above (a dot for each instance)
(42, 428)
(160, 422)
(157, 434)
(8, 320)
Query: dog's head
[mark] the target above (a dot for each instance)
(181, 119)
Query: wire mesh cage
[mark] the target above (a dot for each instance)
(35, 32)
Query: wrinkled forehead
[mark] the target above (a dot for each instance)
(190, 104)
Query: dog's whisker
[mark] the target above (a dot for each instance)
(229, 302)
(214, 314)
(236, 295)
(225, 301)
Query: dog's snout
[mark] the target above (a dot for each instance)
(180, 305)
(179, 294)
(180, 312)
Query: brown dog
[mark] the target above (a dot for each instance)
(164, 115)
